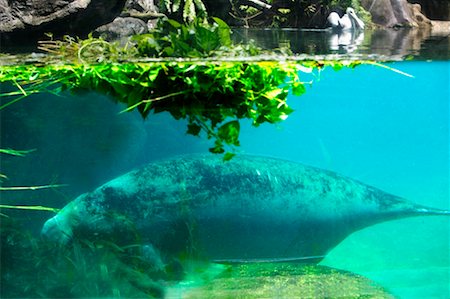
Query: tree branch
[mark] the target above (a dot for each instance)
(258, 4)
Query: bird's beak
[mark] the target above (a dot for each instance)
(357, 20)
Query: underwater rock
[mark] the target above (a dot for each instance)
(278, 280)
(121, 27)
(25, 21)
(247, 209)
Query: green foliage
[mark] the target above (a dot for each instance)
(187, 10)
(212, 96)
(196, 39)
(91, 49)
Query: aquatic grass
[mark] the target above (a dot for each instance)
(13, 152)
(22, 153)
(33, 268)
(23, 188)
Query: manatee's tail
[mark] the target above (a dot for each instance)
(427, 211)
(408, 209)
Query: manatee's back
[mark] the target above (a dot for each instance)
(249, 207)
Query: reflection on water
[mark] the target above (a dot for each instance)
(345, 41)
(393, 44)
(373, 44)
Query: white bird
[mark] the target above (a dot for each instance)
(348, 21)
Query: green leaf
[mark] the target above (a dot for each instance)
(15, 152)
(298, 88)
(200, 6)
(223, 31)
(274, 93)
(189, 11)
(228, 156)
(218, 149)
(207, 40)
(168, 5)
(193, 129)
(229, 132)
(173, 23)
(176, 5)
(35, 208)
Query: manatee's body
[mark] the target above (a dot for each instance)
(250, 208)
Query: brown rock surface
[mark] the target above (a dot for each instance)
(395, 13)
(28, 20)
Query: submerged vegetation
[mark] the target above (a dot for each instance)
(3, 177)
(32, 268)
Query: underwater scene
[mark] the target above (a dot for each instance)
(296, 212)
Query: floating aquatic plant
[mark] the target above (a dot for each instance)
(192, 71)
(212, 96)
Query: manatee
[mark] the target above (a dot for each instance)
(248, 209)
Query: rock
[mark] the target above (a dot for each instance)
(440, 28)
(276, 280)
(394, 13)
(418, 16)
(142, 6)
(137, 18)
(121, 28)
(25, 21)
(438, 10)
(146, 10)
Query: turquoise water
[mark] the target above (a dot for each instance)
(371, 124)
(392, 132)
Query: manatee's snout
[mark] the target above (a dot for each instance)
(55, 230)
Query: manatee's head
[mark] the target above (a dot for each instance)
(55, 230)
(59, 229)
